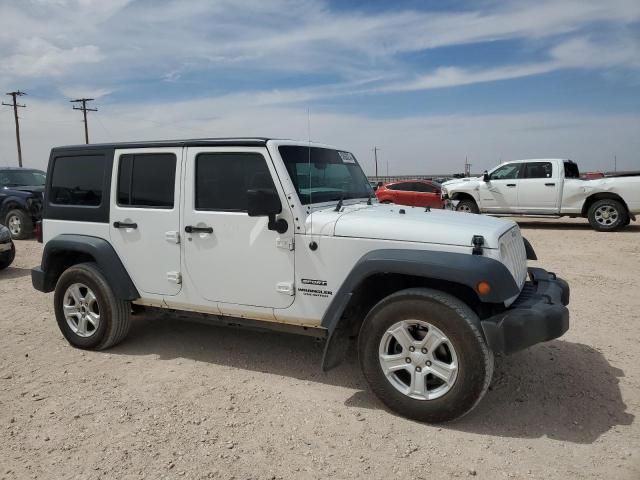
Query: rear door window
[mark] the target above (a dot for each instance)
(147, 180)
(538, 170)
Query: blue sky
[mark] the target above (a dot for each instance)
(430, 82)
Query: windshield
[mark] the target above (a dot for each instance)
(324, 175)
(21, 178)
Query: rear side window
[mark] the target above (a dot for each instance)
(402, 187)
(222, 180)
(78, 180)
(537, 170)
(147, 180)
(571, 170)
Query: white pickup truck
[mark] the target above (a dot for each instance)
(547, 187)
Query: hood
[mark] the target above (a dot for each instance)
(25, 190)
(386, 222)
(456, 181)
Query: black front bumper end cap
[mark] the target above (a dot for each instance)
(38, 279)
(539, 314)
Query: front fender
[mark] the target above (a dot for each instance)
(457, 268)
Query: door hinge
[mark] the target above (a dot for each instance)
(172, 236)
(286, 243)
(285, 287)
(174, 277)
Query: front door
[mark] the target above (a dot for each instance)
(231, 258)
(500, 193)
(145, 217)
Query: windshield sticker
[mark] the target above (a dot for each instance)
(347, 157)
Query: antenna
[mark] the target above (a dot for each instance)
(309, 164)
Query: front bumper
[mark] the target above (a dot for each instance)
(539, 314)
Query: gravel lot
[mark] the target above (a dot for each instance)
(186, 400)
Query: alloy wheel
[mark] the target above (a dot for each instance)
(418, 359)
(81, 310)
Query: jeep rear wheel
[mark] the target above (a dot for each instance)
(467, 206)
(423, 355)
(87, 311)
(19, 224)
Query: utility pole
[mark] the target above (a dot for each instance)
(15, 106)
(375, 156)
(467, 167)
(615, 162)
(84, 112)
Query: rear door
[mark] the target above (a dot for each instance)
(500, 193)
(145, 217)
(539, 187)
(403, 193)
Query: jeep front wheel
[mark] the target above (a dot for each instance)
(423, 355)
(87, 311)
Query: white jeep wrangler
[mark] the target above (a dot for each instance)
(287, 235)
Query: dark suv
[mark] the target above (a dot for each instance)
(21, 192)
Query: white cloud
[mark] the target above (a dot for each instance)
(84, 91)
(412, 145)
(36, 57)
(125, 39)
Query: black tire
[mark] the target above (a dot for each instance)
(6, 258)
(114, 313)
(458, 323)
(618, 215)
(386, 202)
(26, 224)
(468, 206)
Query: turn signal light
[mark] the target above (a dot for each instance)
(483, 288)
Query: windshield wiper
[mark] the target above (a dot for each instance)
(339, 205)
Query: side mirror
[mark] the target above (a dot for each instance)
(264, 202)
(485, 176)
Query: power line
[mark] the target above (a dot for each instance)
(84, 112)
(15, 106)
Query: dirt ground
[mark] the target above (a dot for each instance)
(186, 400)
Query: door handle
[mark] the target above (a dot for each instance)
(125, 225)
(511, 184)
(192, 229)
(549, 184)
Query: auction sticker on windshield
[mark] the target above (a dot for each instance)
(347, 157)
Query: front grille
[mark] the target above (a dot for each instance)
(514, 255)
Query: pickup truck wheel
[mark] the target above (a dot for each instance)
(607, 215)
(467, 206)
(6, 258)
(424, 356)
(19, 224)
(88, 313)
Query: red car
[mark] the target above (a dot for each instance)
(416, 193)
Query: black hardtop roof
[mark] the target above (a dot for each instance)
(31, 169)
(193, 142)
